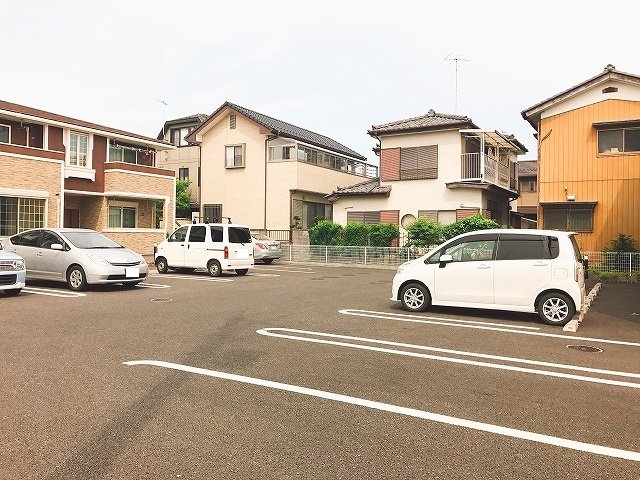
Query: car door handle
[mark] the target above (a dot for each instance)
(540, 264)
(483, 267)
(39, 254)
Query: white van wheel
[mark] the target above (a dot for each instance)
(415, 297)
(555, 308)
(214, 268)
(161, 265)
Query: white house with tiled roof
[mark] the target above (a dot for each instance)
(267, 173)
(437, 166)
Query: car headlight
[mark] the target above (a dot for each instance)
(403, 267)
(98, 259)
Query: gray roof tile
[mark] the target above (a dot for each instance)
(432, 120)
(368, 187)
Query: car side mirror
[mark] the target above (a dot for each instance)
(444, 259)
(57, 246)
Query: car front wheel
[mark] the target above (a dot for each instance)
(161, 265)
(415, 297)
(12, 292)
(556, 308)
(76, 278)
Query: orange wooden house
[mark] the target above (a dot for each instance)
(589, 158)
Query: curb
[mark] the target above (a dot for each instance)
(574, 323)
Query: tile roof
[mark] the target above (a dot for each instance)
(527, 168)
(431, 121)
(285, 129)
(54, 117)
(198, 118)
(368, 187)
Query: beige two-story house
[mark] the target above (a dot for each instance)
(437, 166)
(57, 171)
(267, 173)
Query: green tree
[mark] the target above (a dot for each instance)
(355, 234)
(469, 224)
(622, 243)
(183, 202)
(381, 235)
(325, 232)
(424, 233)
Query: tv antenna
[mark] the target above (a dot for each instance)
(451, 58)
(164, 115)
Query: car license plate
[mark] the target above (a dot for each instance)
(242, 254)
(271, 247)
(131, 272)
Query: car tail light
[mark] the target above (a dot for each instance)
(261, 245)
(226, 252)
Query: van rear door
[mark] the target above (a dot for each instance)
(240, 245)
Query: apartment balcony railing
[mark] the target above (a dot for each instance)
(485, 168)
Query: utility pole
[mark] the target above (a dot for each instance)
(451, 58)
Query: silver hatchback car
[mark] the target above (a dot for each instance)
(78, 257)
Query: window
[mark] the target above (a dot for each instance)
(618, 141)
(281, 153)
(216, 233)
(183, 173)
(419, 162)
(213, 213)
(175, 137)
(239, 235)
(234, 157)
(232, 121)
(122, 217)
(27, 239)
(522, 247)
(5, 134)
(575, 218)
(19, 214)
(78, 149)
(179, 235)
(528, 185)
(406, 220)
(473, 248)
(49, 238)
(198, 233)
(120, 153)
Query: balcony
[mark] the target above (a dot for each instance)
(481, 167)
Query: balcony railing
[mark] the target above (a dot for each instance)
(484, 168)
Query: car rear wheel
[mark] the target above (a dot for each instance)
(555, 308)
(415, 297)
(242, 271)
(268, 260)
(161, 265)
(214, 268)
(12, 292)
(76, 278)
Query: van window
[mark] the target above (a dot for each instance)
(522, 247)
(554, 247)
(179, 235)
(216, 233)
(239, 235)
(576, 248)
(198, 234)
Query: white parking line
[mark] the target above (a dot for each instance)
(187, 277)
(263, 275)
(152, 285)
(53, 293)
(448, 323)
(499, 366)
(411, 412)
(270, 269)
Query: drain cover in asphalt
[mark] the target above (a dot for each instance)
(585, 348)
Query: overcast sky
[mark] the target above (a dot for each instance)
(334, 67)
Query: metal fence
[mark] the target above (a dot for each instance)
(614, 262)
(609, 262)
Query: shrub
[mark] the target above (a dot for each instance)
(383, 234)
(355, 234)
(469, 224)
(325, 232)
(423, 233)
(622, 243)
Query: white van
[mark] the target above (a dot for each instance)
(214, 246)
(518, 270)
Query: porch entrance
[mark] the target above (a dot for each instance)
(71, 218)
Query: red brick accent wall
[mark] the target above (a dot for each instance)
(390, 164)
(462, 213)
(390, 216)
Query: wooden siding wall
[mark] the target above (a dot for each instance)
(569, 159)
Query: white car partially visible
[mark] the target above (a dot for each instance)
(13, 273)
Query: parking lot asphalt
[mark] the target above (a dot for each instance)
(302, 371)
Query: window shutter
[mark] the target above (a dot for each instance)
(462, 213)
(355, 217)
(389, 216)
(431, 215)
(389, 164)
(419, 162)
(371, 217)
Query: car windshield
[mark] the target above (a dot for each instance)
(90, 240)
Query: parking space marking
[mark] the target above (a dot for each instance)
(53, 292)
(288, 270)
(448, 322)
(499, 366)
(152, 285)
(411, 412)
(187, 277)
(263, 275)
(434, 320)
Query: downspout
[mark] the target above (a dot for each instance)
(273, 136)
